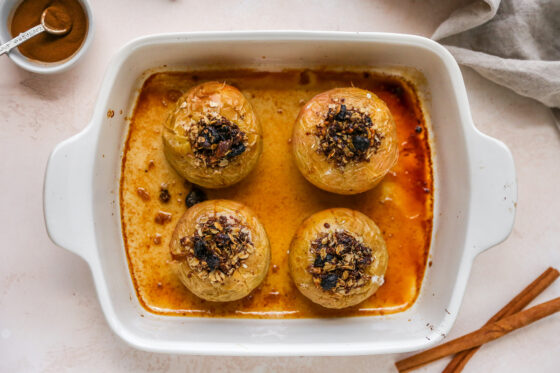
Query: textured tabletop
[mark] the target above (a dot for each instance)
(50, 319)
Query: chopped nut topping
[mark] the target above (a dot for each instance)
(216, 140)
(347, 136)
(340, 262)
(163, 217)
(218, 247)
(143, 194)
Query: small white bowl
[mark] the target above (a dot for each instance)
(7, 9)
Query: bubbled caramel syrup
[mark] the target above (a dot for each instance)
(401, 204)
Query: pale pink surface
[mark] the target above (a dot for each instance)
(50, 319)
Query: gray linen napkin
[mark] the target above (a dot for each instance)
(515, 43)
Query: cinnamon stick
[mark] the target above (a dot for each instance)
(485, 334)
(520, 301)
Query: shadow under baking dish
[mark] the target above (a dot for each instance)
(402, 205)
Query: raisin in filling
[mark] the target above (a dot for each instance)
(340, 262)
(218, 247)
(347, 135)
(216, 141)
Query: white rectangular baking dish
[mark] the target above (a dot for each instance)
(475, 195)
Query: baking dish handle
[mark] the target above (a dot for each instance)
(495, 192)
(67, 195)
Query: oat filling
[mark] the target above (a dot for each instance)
(347, 135)
(340, 262)
(216, 140)
(219, 246)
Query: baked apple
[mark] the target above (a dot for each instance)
(345, 140)
(212, 138)
(338, 258)
(220, 250)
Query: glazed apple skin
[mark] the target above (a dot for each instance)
(243, 280)
(301, 257)
(228, 102)
(355, 177)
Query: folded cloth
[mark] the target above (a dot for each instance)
(515, 43)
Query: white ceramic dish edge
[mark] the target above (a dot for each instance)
(72, 194)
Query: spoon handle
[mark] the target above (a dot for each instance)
(24, 36)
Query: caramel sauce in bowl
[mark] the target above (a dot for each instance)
(401, 205)
(46, 53)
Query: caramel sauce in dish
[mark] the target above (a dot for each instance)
(401, 205)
